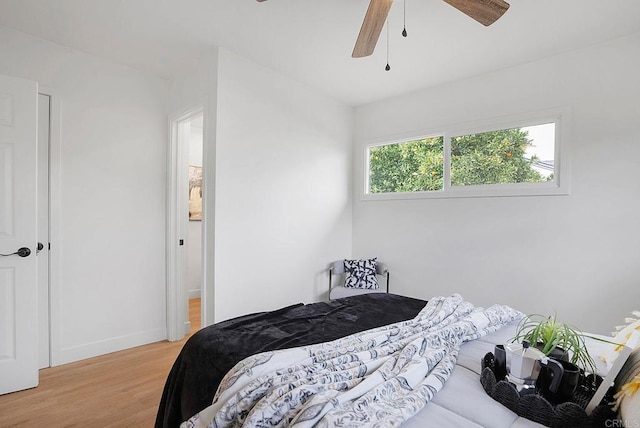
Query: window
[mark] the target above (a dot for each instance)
(506, 156)
(507, 161)
(412, 166)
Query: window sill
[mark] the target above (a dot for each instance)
(538, 189)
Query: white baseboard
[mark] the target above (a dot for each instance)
(101, 347)
(187, 327)
(194, 294)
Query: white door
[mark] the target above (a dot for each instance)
(18, 229)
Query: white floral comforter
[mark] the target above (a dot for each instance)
(379, 377)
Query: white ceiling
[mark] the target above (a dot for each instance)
(312, 40)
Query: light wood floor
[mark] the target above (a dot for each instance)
(121, 389)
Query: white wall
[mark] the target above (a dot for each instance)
(277, 201)
(575, 254)
(111, 251)
(283, 199)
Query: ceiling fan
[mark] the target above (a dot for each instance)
(485, 12)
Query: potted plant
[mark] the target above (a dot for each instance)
(555, 339)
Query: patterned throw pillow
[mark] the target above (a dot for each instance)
(361, 274)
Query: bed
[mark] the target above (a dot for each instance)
(209, 354)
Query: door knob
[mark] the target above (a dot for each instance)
(22, 252)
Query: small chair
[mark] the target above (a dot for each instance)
(337, 291)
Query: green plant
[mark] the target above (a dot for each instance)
(547, 333)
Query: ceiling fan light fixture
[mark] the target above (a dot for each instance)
(485, 12)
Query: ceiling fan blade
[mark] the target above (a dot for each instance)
(371, 27)
(485, 12)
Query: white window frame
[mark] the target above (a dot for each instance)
(559, 186)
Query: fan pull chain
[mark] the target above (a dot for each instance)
(388, 67)
(404, 29)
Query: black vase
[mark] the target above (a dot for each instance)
(557, 353)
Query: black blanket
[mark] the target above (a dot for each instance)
(211, 352)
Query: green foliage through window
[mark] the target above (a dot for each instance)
(496, 157)
(407, 167)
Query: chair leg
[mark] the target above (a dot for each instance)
(330, 275)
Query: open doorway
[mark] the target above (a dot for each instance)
(185, 224)
(194, 239)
